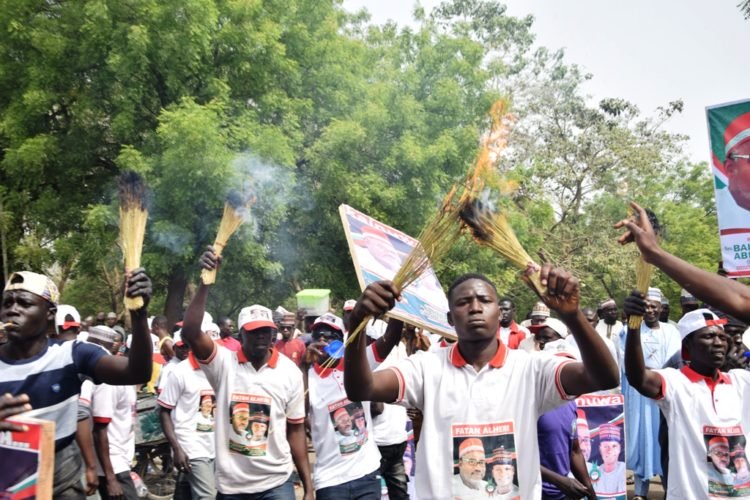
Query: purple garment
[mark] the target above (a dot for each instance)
(556, 430)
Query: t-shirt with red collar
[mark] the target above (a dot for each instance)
(293, 349)
(513, 334)
(698, 409)
(494, 410)
(188, 394)
(252, 411)
(230, 343)
(342, 436)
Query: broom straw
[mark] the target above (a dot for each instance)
(133, 216)
(643, 272)
(235, 213)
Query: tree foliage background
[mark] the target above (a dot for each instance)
(311, 107)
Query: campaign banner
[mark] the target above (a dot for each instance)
(28, 460)
(729, 137)
(378, 251)
(601, 435)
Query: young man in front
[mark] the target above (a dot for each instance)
(42, 378)
(478, 388)
(255, 385)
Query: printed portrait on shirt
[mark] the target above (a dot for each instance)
(726, 462)
(206, 410)
(249, 416)
(485, 461)
(601, 435)
(349, 424)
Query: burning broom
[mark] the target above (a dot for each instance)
(236, 210)
(133, 215)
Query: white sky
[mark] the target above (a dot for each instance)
(649, 52)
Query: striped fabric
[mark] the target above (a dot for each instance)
(52, 380)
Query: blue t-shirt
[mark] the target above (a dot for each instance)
(52, 379)
(556, 430)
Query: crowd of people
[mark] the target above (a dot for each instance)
(492, 413)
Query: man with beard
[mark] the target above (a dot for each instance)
(511, 333)
(659, 342)
(256, 374)
(609, 326)
(469, 483)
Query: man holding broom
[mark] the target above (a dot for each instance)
(42, 378)
(479, 387)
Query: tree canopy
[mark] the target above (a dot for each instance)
(309, 107)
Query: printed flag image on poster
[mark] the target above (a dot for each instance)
(378, 251)
(729, 136)
(601, 435)
(28, 460)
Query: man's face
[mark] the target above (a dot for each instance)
(474, 311)
(181, 351)
(610, 451)
(256, 343)
(584, 441)
(507, 311)
(384, 253)
(653, 309)
(206, 407)
(538, 320)
(664, 316)
(27, 313)
(689, 306)
(259, 429)
(226, 329)
(738, 175)
(286, 328)
(360, 422)
(344, 424)
(240, 421)
(609, 314)
(116, 344)
(740, 463)
(325, 333)
(503, 476)
(100, 317)
(720, 456)
(472, 466)
(546, 335)
(708, 347)
(591, 316)
(111, 319)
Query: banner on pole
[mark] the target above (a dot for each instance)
(729, 137)
(378, 251)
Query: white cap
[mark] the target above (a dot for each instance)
(36, 283)
(212, 329)
(349, 304)
(540, 309)
(331, 320)
(254, 317)
(64, 310)
(654, 294)
(695, 320)
(376, 330)
(554, 323)
(559, 348)
(746, 338)
(176, 336)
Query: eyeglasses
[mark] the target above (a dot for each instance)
(735, 156)
(473, 463)
(286, 327)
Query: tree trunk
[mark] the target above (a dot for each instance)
(175, 295)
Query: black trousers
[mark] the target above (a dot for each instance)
(392, 470)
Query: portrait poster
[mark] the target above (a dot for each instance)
(729, 137)
(206, 411)
(249, 418)
(349, 424)
(601, 434)
(378, 251)
(485, 461)
(726, 462)
(28, 460)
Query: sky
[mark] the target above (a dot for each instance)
(649, 52)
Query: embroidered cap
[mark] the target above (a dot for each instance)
(609, 432)
(540, 309)
(501, 456)
(654, 294)
(36, 283)
(241, 408)
(469, 445)
(717, 442)
(695, 320)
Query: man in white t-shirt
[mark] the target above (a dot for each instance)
(705, 409)
(186, 404)
(478, 388)
(263, 391)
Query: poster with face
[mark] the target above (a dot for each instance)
(729, 135)
(726, 462)
(206, 408)
(485, 461)
(349, 425)
(601, 434)
(249, 416)
(378, 251)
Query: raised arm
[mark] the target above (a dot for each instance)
(136, 368)
(598, 371)
(727, 295)
(392, 336)
(360, 382)
(644, 380)
(200, 342)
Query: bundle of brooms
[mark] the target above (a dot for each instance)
(236, 208)
(133, 216)
(643, 271)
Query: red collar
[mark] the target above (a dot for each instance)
(193, 362)
(696, 377)
(497, 361)
(513, 327)
(324, 372)
(272, 361)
